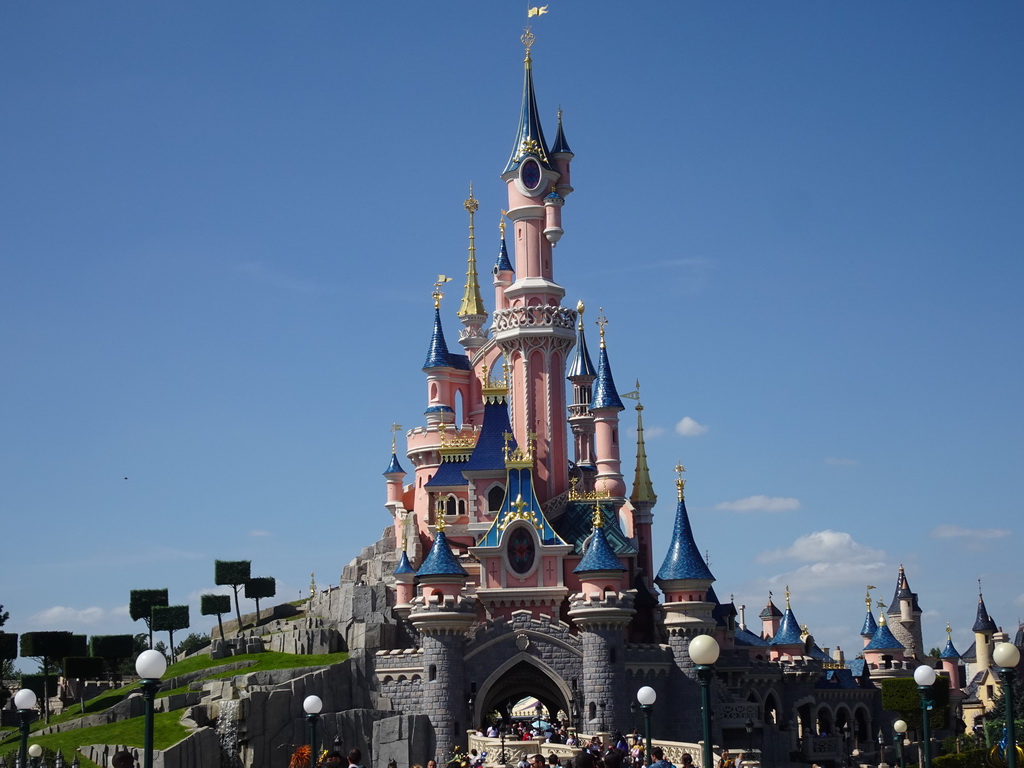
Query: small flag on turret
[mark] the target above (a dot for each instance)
(536, 11)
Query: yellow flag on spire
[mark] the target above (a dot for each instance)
(536, 11)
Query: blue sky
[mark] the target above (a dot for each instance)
(222, 222)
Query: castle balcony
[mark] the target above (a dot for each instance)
(558, 321)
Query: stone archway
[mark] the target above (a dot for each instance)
(518, 677)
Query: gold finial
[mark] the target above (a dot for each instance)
(395, 429)
(472, 204)
(312, 584)
(580, 309)
(598, 518)
(501, 225)
(508, 439)
(528, 39)
(680, 483)
(601, 321)
(787, 597)
(438, 294)
(867, 596)
(949, 632)
(472, 303)
(439, 521)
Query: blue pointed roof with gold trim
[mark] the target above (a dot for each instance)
(529, 141)
(884, 640)
(983, 622)
(599, 556)
(404, 566)
(683, 560)
(440, 561)
(503, 264)
(789, 630)
(394, 468)
(580, 366)
(870, 626)
(520, 503)
(605, 394)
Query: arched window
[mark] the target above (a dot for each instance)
(451, 506)
(433, 672)
(592, 711)
(494, 498)
(462, 507)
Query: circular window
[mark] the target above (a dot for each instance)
(531, 174)
(521, 551)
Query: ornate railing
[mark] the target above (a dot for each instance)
(539, 316)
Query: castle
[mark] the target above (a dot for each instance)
(523, 559)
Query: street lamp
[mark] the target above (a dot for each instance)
(647, 696)
(749, 726)
(150, 666)
(900, 728)
(704, 653)
(502, 758)
(1007, 657)
(881, 747)
(24, 702)
(35, 752)
(924, 676)
(846, 744)
(312, 706)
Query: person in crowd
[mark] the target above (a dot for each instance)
(658, 754)
(355, 758)
(687, 760)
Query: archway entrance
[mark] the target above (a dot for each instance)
(517, 680)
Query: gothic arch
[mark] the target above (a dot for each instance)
(522, 675)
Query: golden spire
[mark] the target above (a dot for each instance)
(472, 304)
(395, 429)
(867, 596)
(787, 597)
(598, 516)
(643, 488)
(680, 483)
(438, 294)
(881, 611)
(601, 321)
(580, 309)
(501, 225)
(949, 633)
(439, 521)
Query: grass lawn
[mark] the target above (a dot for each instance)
(167, 729)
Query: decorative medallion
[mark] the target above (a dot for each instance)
(521, 550)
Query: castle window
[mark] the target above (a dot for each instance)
(592, 710)
(494, 498)
(451, 506)
(462, 506)
(433, 672)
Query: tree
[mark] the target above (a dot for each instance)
(141, 603)
(194, 642)
(210, 605)
(4, 616)
(48, 648)
(114, 650)
(8, 653)
(901, 695)
(233, 573)
(260, 586)
(170, 618)
(995, 718)
(82, 668)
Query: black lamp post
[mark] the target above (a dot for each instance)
(899, 729)
(881, 746)
(749, 726)
(632, 715)
(501, 732)
(1007, 657)
(312, 706)
(846, 743)
(924, 676)
(25, 703)
(704, 653)
(647, 696)
(150, 665)
(35, 752)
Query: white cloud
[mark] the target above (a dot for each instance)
(760, 503)
(958, 532)
(259, 532)
(690, 427)
(829, 559)
(838, 462)
(62, 617)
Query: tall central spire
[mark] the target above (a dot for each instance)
(529, 139)
(471, 311)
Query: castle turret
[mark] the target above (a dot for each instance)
(581, 375)
(951, 661)
(867, 631)
(503, 272)
(643, 497)
(439, 367)
(601, 611)
(904, 616)
(606, 406)
(442, 616)
(788, 641)
(770, 617)
(533, 331)
(471, 311)
(984, 629)
(562, 156)
(883, 648)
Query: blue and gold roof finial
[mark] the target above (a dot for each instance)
(394, 468)
(439, 521)
(516, 457)
(680, 482)
(605, 394)
(601, 322)
(472, 304)
(530, 139)
(437, 293)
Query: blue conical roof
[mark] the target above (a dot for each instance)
(983, 622)
(503, 264)
(489, 452)
(883, 640)
(683, 560)
(520, 503)
(440, 561)
(770, 611)
(394, 468)
(580, 365)
(789, 630)
(437, 354)
(599, 555)
(529, 139)
(605, 394)
(949, 652)
(868, 630)
(561, 146)
(404, 566)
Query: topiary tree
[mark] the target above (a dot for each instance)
(901, 695)
(114, 650)
(232, 573)
(261, 586)
(218, 605)
(51, 648)
(141, 603)
(8, 653)
(169, 618)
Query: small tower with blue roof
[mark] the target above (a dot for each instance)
(788, 642)
(868, 628)
(904, 616)
(503, 272)
(581, 374)
(606, 406)
(951, 661)
(884, 652)
(984, 630)
(602, 610)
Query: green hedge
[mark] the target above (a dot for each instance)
(902, 695)
(211, 605)
(170, 617)
(142, 601)
(8, 646)
(112, 646)
(972, 758)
